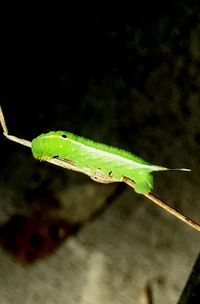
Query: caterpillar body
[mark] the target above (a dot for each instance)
(103, 163)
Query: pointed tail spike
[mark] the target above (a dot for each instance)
(158, 168)
(178, 169)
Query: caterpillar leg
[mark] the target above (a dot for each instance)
(142, 185)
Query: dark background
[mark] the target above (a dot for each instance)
(96, 63)
(115, 73)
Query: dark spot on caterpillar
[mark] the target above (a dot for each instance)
(71, 162)
(110, 173)
(64, 136)
(56, 156)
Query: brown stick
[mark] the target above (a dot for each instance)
(165, 206)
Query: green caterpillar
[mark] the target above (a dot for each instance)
(103, 163)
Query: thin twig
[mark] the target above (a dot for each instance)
(165, 206)
(27, 143)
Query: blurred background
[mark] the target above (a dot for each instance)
(122, 74)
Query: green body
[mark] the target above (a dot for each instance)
(101, 162)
